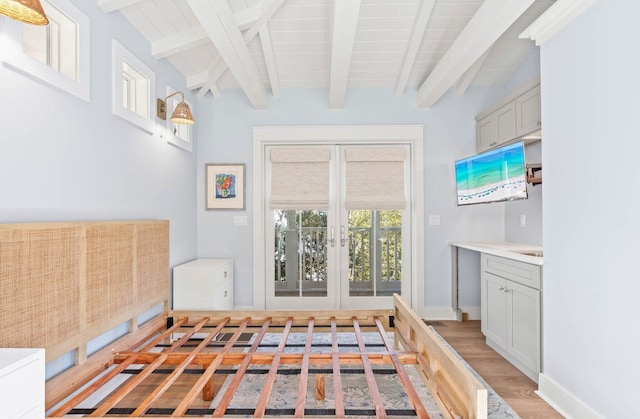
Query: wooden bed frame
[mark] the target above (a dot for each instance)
(64, 284)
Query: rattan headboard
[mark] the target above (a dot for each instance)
(63, 284)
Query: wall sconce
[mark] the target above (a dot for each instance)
(181, 114)
(27, 11)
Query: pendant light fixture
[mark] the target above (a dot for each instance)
(27, 11)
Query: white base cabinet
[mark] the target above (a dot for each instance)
(511, 312)
(203, 284)
(22, 383)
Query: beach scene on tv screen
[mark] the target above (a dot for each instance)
(497, 175)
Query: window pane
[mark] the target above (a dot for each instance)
(34, 42)
(375, 252)
(300, 253)
(56, 44)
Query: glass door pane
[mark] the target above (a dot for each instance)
(300, 257)
(375, 253)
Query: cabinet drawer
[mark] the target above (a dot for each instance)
(520, 272)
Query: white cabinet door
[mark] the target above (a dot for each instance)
(528, 112)
(203, 284)
(496, 308)
(487, 133)
(523, 324)
(506, 122)
(497, 128)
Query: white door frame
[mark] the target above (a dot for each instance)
(347, 134)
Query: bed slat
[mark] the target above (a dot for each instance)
(273, 371)
(368, 372)
(304, 373)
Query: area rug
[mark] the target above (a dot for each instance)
(357, 401)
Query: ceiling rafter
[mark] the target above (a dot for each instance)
(419, 26)
(270, 59)
(465, 81)
(491, 20)
(345, 22)
(181, 41)
(268, 9)
(112, 5)
(226, 36)
(196, 36)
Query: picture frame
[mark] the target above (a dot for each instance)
(224, 186)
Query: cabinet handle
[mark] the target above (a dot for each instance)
(225, 274)
(501, 289)
(226, 293)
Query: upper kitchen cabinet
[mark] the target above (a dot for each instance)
(497, 128)
(516, 117)
(528, 115)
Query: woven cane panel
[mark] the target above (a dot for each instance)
(152, 263)
(39, 284)
(109, 270)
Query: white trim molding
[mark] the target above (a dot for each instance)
(556, 17)
(119, 56)
(567, 404)
(347, 134)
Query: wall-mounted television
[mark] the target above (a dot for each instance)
(495, 175)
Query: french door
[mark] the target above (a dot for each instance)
(337, 225)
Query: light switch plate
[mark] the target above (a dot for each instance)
(523, 220)
(434, 220)
(239, 220)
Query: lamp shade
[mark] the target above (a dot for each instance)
(28, 11)
(182, 114)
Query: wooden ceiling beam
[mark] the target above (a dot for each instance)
(179, 42)
(419, 26)
(491, 20)
(345, 22)
(268, 9)
(196, 36)
(270, 59)
(218, 20)
(463, 83)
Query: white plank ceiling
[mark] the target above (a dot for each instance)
(266, 46)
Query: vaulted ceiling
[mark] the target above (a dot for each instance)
(265, 46)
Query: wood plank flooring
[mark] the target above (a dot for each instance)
(513, 386)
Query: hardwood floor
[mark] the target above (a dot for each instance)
(514, 387)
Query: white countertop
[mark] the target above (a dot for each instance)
(503, 249)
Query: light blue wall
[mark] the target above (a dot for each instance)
(591, 109)
(225, 136)
(63, 159)
(531, 208)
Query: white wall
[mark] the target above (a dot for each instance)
(225, 136)
(63, 159)
(591, 109)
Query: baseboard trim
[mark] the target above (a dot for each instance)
(563, 401)
(438, 313)
(474, 312)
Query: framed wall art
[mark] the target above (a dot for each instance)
(224, 185)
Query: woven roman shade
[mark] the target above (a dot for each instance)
(375, 178)
(300, 177)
